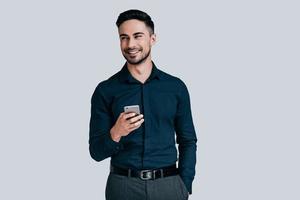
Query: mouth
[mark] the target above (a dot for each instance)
(133, 52)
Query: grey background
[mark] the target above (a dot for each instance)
(239, 59)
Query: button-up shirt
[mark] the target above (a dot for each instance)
(165, 103)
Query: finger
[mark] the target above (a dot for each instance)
(136, 127)
(135, 124)
(128, 115)
(134, 119)
(133, 128)
(121, 114)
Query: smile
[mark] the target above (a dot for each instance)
(132, 52)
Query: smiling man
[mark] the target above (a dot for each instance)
(145, 163)
(136, 50)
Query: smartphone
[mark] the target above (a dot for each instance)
(132, 108)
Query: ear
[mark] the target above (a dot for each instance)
(153, 39)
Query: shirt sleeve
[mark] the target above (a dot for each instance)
(101, 145)
(186, 138)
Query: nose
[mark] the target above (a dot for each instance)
(131, 44)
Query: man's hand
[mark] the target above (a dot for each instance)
(124, 126)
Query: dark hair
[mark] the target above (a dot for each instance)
(136, 14)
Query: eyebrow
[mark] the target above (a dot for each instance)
(137, 33)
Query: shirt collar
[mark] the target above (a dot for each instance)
(125, 75)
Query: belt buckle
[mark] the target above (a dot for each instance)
(146, 174)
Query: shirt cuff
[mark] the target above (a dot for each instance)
(188, 184)
(116, 145)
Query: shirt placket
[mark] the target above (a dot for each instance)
(146, 107)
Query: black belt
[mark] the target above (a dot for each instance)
(146, 174)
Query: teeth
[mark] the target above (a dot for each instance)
(132, 52)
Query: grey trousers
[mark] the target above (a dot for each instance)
(131, 188)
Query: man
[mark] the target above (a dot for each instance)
(142, 146)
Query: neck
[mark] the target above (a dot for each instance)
(141, 71)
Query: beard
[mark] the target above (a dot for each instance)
(134, 61)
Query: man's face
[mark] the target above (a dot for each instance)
(135, 41)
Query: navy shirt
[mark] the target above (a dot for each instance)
(164, 101)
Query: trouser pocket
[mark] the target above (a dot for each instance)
(183, 189)
(115, 187)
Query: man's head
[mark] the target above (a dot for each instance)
(136, 14)
(136, 32)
